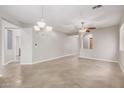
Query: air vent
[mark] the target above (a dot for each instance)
(97, 6)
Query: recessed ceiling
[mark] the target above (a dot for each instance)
(65, 18)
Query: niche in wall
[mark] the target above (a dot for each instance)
(9, 39)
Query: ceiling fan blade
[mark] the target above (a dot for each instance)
(87, 30)
(74, 33)
(91, 27)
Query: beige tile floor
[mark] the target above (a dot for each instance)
(68, 72)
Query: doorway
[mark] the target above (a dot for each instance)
(12, 49)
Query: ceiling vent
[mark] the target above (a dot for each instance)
(97, 6)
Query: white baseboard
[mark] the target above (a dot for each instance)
(121, 66)
(9, 62)
(39, 61)
(99, 59)
(28, 63)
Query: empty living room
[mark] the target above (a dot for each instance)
(62, 46)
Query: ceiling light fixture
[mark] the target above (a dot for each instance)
(49, 28)
(85, 28)
(41, 24)
(36, 28)
(82, 30)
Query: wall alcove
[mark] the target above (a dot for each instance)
(122, 37)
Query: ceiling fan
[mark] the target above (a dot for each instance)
(87, 28)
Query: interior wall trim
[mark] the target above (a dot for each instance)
(121, 66)
(99, 59)
(9, 62)
(27, 63)
(50, 59)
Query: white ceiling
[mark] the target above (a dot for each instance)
(65, 18)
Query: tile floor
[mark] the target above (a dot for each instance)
(67, 72)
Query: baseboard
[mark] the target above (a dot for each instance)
(9, 62)
(28, 63)
(121, 66)
(39, 61)
(99, 59)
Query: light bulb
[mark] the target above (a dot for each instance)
(41, 24)
(49, 28)
(82, 30)
(36, 28)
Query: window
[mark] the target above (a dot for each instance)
(86, 41)
(90, 43)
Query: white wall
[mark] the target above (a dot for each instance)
(106, 44)
(52, 45)
(72, 44)
(26, 46)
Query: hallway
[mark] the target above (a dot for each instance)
(66, 72)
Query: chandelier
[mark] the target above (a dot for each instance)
(41, 25)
